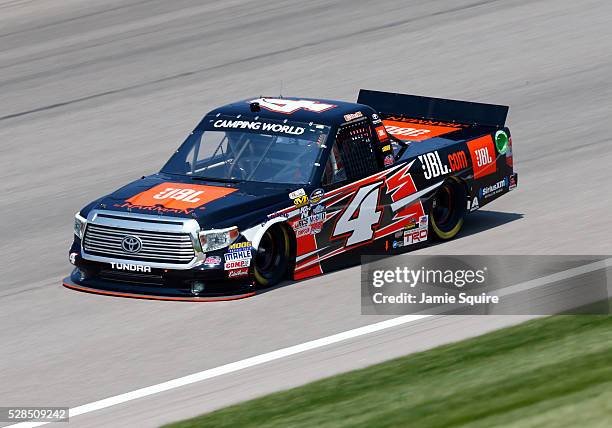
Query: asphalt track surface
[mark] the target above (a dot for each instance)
(95, 94)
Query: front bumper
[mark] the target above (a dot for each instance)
(158, 284)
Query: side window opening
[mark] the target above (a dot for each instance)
(352, 156)
(334, 168)
(355, 144)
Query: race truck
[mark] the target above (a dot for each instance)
(267, 189)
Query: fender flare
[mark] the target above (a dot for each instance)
(255, 233)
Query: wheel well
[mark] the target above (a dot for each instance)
(447, 230)
(292, 247)
(463, 182)
(277, 227)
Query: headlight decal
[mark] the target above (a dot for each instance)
(79, 225)
(216, 239)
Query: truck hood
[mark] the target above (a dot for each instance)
(212, 204)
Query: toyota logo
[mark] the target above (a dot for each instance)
(131, 244)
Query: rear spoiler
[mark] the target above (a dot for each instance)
(439, 109)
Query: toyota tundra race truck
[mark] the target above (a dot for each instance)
(267, 189)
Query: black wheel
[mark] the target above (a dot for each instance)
(448, 210)
(272, 257)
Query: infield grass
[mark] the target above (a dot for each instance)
(549, 372)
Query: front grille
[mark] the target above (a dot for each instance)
(157, 247)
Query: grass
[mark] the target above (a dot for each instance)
(552, 372)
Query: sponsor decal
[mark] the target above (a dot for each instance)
(277, 128)
(308, 230)
(131, 267)
(277, 214)
(300, 201)
(310, 225)
(212, 260)
(237, 272)
(482, 153)
(411, 223)
(297, 193)
(512, 184)
(237, 264)
(417, 234)
(318, 209)
(304, 211)
(352, 116)
(483, 156)
(72, 257)
(414, 130)
(388, 160)
(386, 148)
(397, 244)
(316, 196)
(281, 105)
(429, 122)
(179, 196)
(494, 189)
(313, 219)
(155, 209)
(247, 245)
(432, 165)
(457, 161)
(299, 197)
(381, 132)
(375, 116)
(474, 205)
(239, 256)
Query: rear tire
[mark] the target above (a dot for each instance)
(272, 257)
(448, 210)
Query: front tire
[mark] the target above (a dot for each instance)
(272, 257)
(448, 210)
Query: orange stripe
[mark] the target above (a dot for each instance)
(144, 296)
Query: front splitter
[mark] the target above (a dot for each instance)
(68, 283)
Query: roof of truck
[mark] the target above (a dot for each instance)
(306, 110)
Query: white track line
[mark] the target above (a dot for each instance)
(232, 367)
(303, 347)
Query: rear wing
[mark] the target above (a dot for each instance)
(437, 109)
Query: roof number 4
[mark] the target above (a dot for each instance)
(281, 105)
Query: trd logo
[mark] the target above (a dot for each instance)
(483, 157)
(432, 165)
(185, 195)
(457, 161)
(416, 236)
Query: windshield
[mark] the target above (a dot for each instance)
(230, 149)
